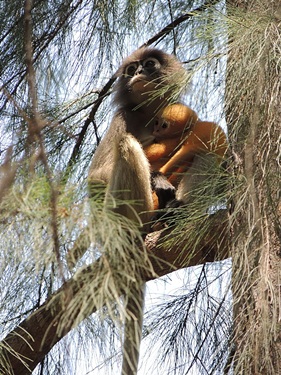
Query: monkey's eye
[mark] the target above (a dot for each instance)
(151, 62)
(165, 125)
(131, 69)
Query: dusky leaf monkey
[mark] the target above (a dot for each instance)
(148, 81)
(180, 138)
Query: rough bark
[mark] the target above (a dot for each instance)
(254, 117)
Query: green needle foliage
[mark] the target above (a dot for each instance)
(68, 262)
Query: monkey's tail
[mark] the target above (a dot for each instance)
(133, 331)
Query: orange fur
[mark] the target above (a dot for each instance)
(179, 136)
(179, 118)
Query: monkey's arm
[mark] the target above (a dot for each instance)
(205, 137)
(101, 167)
(130, 183)
(118, 169)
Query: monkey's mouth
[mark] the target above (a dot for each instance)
(137, 79)
(140, 84)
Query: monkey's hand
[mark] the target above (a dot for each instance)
(164, 190)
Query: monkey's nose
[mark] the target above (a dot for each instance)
(139, 70)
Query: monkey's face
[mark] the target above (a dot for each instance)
(173, 121)
(142, 75)
(163, 129)
(142, 78)
(148, 76)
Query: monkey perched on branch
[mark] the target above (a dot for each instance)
(148, 81)
(147, 134)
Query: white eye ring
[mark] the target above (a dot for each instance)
(131, 69)
(151, 62)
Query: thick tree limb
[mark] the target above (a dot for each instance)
(28, 344)
(213, 247)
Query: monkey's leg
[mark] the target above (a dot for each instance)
(164, 190)
(133, 331)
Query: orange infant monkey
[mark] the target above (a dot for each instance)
(179, 137)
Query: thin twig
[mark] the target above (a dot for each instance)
(167, 29)
(44, 40)
(36, 123)
(174, 34)
(77, 147)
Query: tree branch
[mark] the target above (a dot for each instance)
(170, 27)
(29, 343)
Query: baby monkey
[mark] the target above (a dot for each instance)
(180, 137)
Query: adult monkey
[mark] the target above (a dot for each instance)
(148, 81)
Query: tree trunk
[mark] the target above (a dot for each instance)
(253, 106)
